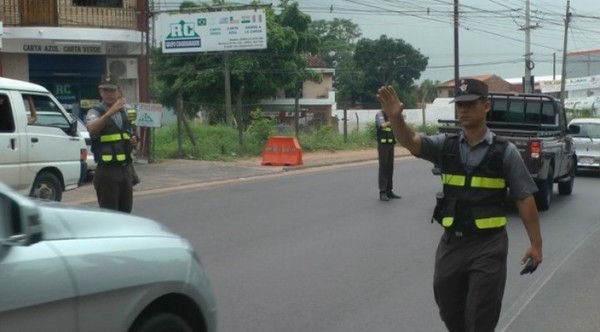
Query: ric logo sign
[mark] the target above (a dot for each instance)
(183, 35)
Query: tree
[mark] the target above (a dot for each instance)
(259, 74)
(349, 82)
(337, 39)
(427, 91)
(337, 44)
(388, 61)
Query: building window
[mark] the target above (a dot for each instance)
(99, 3)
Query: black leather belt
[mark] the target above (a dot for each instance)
(473, 233)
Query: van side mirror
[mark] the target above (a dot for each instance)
(19, 219)
(72, 126)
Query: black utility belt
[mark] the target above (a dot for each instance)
(474, 232)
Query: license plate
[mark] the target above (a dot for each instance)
(586, 161)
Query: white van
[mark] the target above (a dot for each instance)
(41, 152)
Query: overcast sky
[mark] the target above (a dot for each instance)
(491, 35)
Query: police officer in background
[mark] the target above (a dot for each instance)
(112, 142)
(477, 169)
(385, 152)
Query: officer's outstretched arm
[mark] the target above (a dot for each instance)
(393, 108)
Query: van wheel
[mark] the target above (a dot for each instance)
(162, 322)
(543, 197)
(47, 186)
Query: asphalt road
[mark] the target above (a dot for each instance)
(318, 251)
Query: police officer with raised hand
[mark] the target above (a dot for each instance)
(477, 168)
(110, 130)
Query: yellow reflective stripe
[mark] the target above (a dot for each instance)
(108, 157)
(491, 183)
(386, 129)
(388, 140)
(447, 221)
(492, 222)
(453, 180)
(113, 137)
(110, 138)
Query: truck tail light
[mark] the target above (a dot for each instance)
(83, 154)
(535, 149)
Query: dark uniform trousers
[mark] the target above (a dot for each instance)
(114, 188)
(385, 153)
(469, 279)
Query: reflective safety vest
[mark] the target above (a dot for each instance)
(113, 145)
(386, 136)
(473, 201)
(131, 114)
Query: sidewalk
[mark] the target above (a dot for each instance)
(180, 173)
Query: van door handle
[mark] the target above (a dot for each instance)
(13, 144)
(34, 140)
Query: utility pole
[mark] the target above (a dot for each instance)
(456, 72)
(554, 66)
(564, 59)
(227, 75)
(527, 84)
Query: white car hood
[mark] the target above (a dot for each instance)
(62, 221)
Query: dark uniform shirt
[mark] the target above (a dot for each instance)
(517, 176)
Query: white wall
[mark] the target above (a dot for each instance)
(440, 109)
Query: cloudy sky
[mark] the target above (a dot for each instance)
(491, 35)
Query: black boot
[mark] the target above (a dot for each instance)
(383, 197)
(391, 194)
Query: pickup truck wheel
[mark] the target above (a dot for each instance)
(47, 186)
(162, 322)
(566, 188)
(543, 198)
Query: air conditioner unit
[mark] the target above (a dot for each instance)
(124, 68)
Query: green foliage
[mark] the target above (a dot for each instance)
(327, 139)
(582, 113)
(387, 61)
(213, 143)
(221, 142)
(428, 129)
(261, 126)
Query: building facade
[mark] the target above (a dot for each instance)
(315, 103)
(67, 45)
(495, 84)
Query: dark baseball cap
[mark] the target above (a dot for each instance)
(470, 89)
(109, 82)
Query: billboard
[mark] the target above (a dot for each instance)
(213, 31)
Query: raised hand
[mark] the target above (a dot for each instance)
(390, 103)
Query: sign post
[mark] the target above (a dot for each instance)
(149, 115)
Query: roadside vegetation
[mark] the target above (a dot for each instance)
(221, 143)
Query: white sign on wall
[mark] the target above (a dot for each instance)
(571, 84)
(149, 115)
(213, 31)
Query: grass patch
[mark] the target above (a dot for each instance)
(221, 143)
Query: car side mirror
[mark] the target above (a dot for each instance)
(574, 129)
(19, 219)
